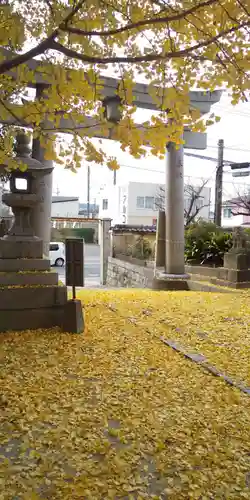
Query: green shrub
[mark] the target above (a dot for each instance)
(205, 243)
(247, 231)
(141, 249)
(87, 233)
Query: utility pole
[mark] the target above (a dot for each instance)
(219, 184)
(88, 191)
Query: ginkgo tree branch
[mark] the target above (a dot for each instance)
(50, 43)
(144, 58)
(143, 22)
(19, 121)
(42, 47)
(49, 6)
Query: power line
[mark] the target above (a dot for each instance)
(186, 176)
(228, 109)
(230, 148)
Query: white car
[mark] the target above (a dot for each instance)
(57, 254)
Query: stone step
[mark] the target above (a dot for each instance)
(17, 319)
(31, 297)
(28, 278)
(24, 265)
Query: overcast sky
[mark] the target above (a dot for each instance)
(234, 128)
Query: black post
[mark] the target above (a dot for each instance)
(114, 178)
(88, 192)
(73, 320)
(219, 184)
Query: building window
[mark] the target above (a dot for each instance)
(159, 203)
(105, 204)
(199, 203)
(227, 213)
(140, 202)
(149, 202)
(187, 203)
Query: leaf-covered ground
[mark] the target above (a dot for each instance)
(117, 414)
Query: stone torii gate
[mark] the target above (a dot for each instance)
(174, 161)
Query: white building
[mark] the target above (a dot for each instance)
(65, 206)
(137, 203)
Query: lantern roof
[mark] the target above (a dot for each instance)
(23, 154)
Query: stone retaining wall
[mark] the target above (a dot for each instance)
(128, 275)
(223, 276)
(132, 273)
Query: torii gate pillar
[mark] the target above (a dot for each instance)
(174, 203)
(173, 277)
(41, 216)
(42, 211)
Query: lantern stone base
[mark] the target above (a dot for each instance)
(12, 265)
(16, 248)
(30, 296)
(25, 278)
(32, 307)
(33, 319)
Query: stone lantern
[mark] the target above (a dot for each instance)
(30, 296)
(22, 198)
(112, 109)
(113, 114)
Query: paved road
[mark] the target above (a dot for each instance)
(91, 266)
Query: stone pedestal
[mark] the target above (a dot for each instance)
(236, 271)
(237, 268)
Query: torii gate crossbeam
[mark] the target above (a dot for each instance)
(174, 165)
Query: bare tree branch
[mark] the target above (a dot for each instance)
(194, 193)
(193, 211)
(240, 205)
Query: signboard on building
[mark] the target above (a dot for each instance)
(123, 205)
